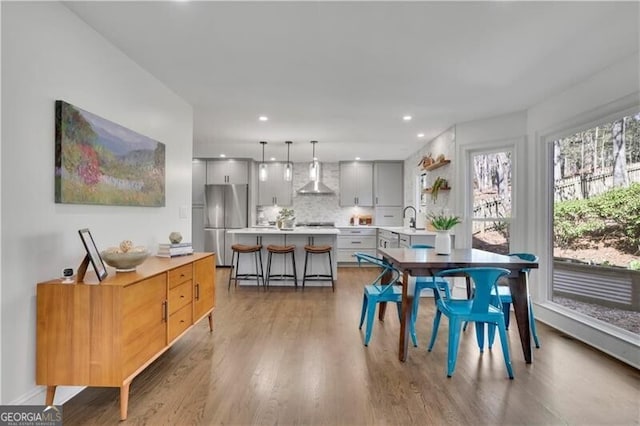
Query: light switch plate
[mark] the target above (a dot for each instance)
(182, 214)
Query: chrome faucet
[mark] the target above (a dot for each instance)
(412, 220)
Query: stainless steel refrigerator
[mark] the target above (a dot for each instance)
(226, 207)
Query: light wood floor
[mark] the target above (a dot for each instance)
(290, 358)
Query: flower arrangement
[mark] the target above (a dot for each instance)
(285, 218)
(442, 221)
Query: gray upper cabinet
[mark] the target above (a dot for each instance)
(227, 171)
(356, 183)
(276, 190)
(388, 183)
(199, 178)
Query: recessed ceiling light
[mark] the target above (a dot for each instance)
(273, 158)
(223, 156)
(263, 118)
(407, 118)
(421, 135)
(357, 158)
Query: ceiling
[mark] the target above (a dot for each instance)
(345, 73)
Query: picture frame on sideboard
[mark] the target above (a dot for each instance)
(93, 256)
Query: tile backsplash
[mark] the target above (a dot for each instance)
(318, 208)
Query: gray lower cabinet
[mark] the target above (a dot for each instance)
(354, 240)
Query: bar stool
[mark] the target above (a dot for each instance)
(239, 249)
(284, 250)
(311, 250)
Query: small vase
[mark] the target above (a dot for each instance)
(175, 237)
(288, 223)
(443, 242)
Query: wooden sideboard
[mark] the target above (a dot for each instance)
(105, 334)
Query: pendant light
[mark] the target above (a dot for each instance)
(262, 169)
(314, 167)
(288, 167)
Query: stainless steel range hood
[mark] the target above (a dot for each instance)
(316, 187)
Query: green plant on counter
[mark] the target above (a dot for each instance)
(442, 221)
(285, 218)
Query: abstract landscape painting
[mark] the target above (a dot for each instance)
(101, 162)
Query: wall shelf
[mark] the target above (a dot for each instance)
(429, 190)
(436, 165)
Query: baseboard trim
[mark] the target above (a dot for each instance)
(37, 395)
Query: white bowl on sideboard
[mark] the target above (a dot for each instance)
(124, 262)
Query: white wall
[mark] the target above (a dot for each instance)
(443, 144)
(48, 54)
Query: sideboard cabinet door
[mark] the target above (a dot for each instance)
(204, 292)
(144, 325)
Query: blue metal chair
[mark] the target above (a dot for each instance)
(423, 283)
(504, 294)
(376, 292)
(482, 308)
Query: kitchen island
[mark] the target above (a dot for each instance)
(299, 236)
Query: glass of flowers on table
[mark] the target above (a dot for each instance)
(442, 223)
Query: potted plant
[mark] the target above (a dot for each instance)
(285, 219)
(438, 184)
(442, 223)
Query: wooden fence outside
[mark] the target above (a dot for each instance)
(573, 188)
(489, 207)
(591, 184)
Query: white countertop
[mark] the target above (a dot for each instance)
(407, 231)
(304, 230)
(301, 230)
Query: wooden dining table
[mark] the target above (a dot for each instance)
(425, 262)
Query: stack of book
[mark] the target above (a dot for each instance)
(173, 250)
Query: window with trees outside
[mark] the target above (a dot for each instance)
(596, 223)
(491, 218)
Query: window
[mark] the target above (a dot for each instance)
(492, 200)
(596, 231)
